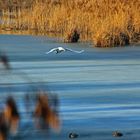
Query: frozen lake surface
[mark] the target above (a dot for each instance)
(98, 90)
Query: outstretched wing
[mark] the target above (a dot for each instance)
(51, 50)
(74, 50)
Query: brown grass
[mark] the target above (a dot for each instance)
(99, 20)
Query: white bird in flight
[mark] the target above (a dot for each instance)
(61, 49)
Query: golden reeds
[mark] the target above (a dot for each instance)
(106, 22)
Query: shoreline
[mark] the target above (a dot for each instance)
(58, 35)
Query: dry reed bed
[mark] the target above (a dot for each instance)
(106, 22)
